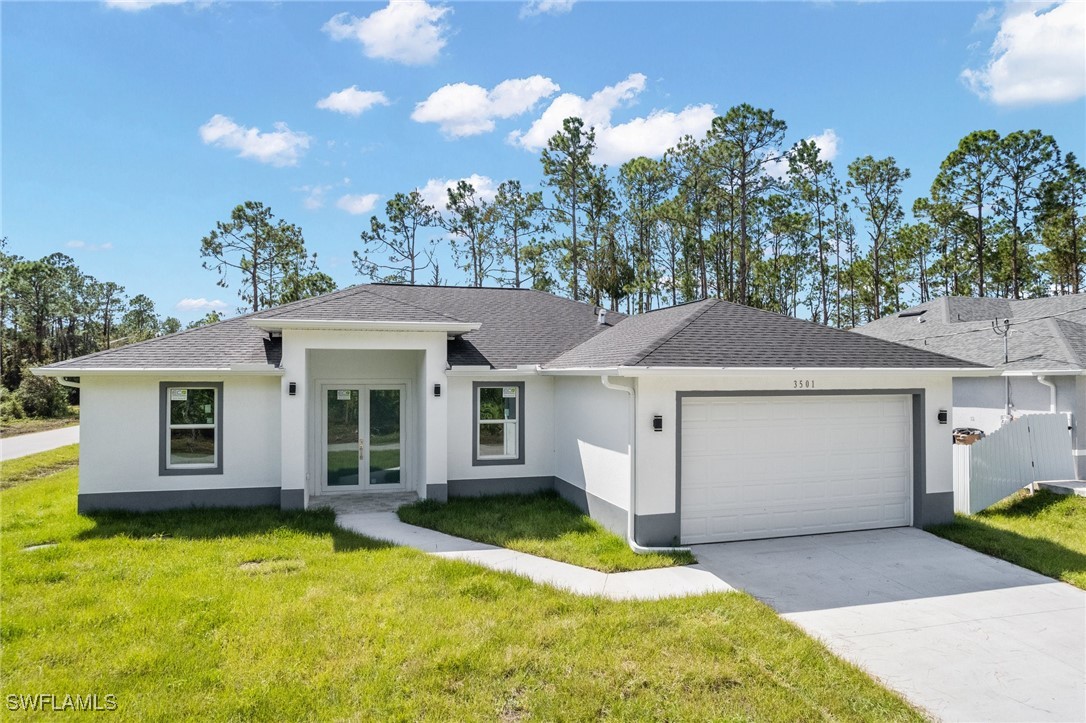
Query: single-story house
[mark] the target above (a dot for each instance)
(708, 421)
(1040, 367)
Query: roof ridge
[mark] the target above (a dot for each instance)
(674, 331)
(1061, 339)
(412, 304)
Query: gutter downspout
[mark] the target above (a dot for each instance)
(65, 382)
(1041, 378)
(630, 515)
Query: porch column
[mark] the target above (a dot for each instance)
(294, 421)
(434, 479)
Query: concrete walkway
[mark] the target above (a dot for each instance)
(1065, 487)
(638, 585)
(24, 444)
(965, 636)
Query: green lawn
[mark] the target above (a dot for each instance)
(267, 615)
(1044, 532)
(542, 524)
(36, 466)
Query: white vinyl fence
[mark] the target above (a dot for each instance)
(1029, 449)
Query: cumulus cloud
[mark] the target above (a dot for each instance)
(201, 304)
(352, 101)
(84, 246)
(134, 6)
(616, 143)
(405, 31)
(546, 7)
(314, 196)
(357, 204)
(1037, 56)
(461, 109)
(436, 190)
(281, 147)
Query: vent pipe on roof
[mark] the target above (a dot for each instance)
(601, 317)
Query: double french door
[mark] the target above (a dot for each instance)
(362, 435)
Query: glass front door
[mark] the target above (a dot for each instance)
(363, 437)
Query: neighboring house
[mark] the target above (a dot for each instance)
(713, 421)
(1045, 367)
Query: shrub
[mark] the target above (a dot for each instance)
(42, 397)
(11, 407)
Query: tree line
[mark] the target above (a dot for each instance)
(736, 215)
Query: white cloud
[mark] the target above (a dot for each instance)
(357, 204)
(281, 147)
(84, 246)
(201, 304)
(461, 109)
(134, 6)
(616, 143)
(1037, 56)
(314, 196)
(546, 7)
(406, 31)
(352, 101)
(436, 190)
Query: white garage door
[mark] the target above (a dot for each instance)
(755, 467)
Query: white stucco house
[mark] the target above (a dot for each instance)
(704, 422)
(1038, 368)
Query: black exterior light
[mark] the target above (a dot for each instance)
(292, 388)
(942, 416)
(657, 423)
(437, 390)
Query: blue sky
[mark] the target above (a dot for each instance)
(130, 128)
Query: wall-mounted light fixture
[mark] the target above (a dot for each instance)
(292, 388)
(657, 423)
(942, 416)
(437, 390)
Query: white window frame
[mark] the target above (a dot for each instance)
(169, 426)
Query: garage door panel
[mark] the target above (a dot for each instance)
(775, 466)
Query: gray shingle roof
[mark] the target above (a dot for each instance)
(1046, 333)
(717, 333)
(518, 327)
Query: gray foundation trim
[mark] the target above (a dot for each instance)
(499, 486)
(919, 490)
(439, 493)
(163, 412)
(475, 461)
(292, 499)
(937, 508)
(180, 499)
(608, 514)
(657, 530)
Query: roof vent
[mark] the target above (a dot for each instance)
(601, 317)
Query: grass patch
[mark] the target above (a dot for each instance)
(35, 466)
(267, 615)
(1044, 532)
(29, 425)
(542, 524)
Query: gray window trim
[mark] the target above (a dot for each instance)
(163, 418)
(521, 421)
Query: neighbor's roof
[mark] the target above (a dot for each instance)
(518, 326)
(720, 334)
(1047, 334)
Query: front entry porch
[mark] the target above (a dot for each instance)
(361, 503)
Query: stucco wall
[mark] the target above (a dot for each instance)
(538, 428)
(591, 438)
(657, 395)
(119, 435)
(980, 401)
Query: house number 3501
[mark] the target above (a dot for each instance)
(803, 384)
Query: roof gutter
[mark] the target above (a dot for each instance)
(631, 515)
(241, 370)
(636, 371)
(451, 327)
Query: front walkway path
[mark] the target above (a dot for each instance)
(679, 581)
(24, 444)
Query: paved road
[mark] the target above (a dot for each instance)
(960, 634)
(24, 444)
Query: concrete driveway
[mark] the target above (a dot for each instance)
(24, 444)
(962, 635)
